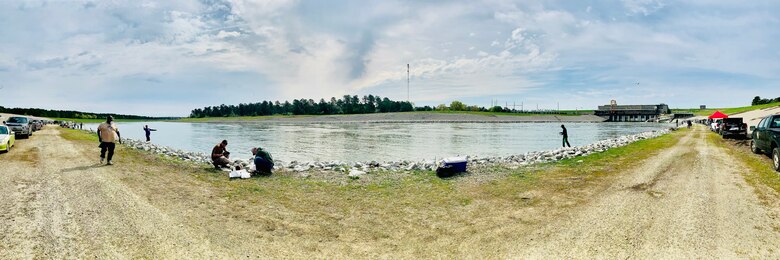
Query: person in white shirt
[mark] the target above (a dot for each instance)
(108, 135)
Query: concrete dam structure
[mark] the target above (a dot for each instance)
(632, 113)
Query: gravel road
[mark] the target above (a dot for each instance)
(688, 202)
(53, 206)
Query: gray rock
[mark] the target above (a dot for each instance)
(355, 174)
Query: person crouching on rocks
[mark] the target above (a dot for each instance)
(263, 161)
(220, 155)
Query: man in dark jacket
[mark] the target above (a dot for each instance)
(148, 132)
(565, 137)
(263, 161)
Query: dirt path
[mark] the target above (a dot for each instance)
(688, 202)
(54, 206)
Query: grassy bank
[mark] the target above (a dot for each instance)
(412, 214)
(728, 111)
(481, 113)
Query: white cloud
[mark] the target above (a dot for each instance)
(644, 7)
(224, 34)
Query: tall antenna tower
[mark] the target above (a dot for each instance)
(408, 79)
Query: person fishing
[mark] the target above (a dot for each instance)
(264, 163)
(148, 132)
(108, 135)
(565, 135)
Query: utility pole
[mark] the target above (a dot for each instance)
(408, 79)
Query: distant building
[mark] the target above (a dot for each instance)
(703, 107)
(632, 113)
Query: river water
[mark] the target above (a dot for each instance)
(376, 141)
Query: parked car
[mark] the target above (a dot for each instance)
(37, 125)
(715, 125)
(733, 127)
(7, 138)
(20, 125)
(766, 138)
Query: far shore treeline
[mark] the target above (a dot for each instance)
(346, 105)
(73, 114)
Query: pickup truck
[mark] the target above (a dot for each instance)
(733, 127)
(20, 125)
(766, 138)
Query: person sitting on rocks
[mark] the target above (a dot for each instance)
(263, 161)
(220, 155)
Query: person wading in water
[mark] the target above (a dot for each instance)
(565, 135)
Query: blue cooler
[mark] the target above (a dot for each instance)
(458, 164)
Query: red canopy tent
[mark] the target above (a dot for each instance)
(718, 114)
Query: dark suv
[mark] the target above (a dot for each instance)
(733, 127)
(766, 138)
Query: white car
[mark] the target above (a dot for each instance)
(7, 138)
(716, 124)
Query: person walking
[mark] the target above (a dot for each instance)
(565, 135)
(108, 135)
(148, 132)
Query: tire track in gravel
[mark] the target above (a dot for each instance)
(56, 207)
(688, 202)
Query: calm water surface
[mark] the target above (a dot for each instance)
(377, 141)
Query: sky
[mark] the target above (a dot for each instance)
(165, 58)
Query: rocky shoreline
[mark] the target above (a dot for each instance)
(356, 169)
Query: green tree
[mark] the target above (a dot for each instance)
(497, 109)
(457, 106)
(756, 101)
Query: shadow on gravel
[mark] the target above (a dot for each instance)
(81, 168)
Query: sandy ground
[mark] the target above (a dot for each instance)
(753, 117)
(428, 117)
(688, 202)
